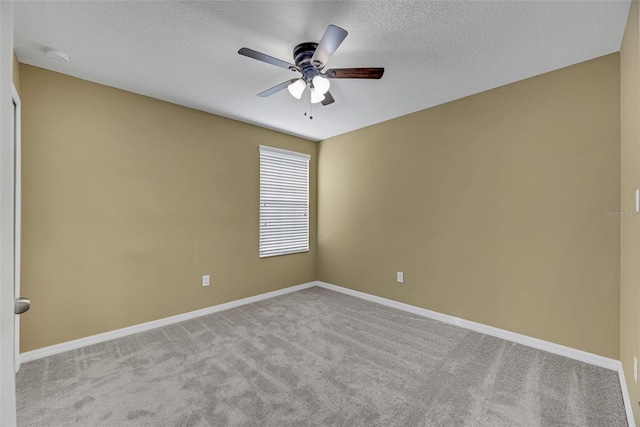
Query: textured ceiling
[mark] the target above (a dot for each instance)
(433, 52)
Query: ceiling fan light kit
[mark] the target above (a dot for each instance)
(316, 96)
(321, 84)
(297, 88)
(310, 59)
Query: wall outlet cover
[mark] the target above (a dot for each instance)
(205, 280)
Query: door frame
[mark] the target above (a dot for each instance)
(17, 209)
(7, 262)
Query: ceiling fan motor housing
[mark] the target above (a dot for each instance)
(302, 55)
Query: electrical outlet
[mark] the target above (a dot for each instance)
(400, 277)
(635, 368)
(205, 280)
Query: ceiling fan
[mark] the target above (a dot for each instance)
(310, 59)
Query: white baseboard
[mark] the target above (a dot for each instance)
(118, 333)
(561, 350)
(582, 356)
(625, 397)
(572, 353)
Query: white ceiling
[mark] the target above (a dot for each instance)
(432, 52)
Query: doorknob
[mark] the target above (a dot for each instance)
(22, 305)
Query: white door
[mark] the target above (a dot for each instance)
(17, 192)
(7, 225)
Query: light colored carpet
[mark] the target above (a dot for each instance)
(315, 358)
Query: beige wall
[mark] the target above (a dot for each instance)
(630, 180)
(128, 201)
(493, 206)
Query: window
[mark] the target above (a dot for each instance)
(284, 202)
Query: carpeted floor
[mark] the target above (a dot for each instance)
(315, 358)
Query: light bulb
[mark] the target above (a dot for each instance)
(321, 84)
(316, 96)
(297, 88)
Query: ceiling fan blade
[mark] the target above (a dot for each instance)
(332, 38)
(266, 58)
(355, 73)
(328, 99)
(275, 89)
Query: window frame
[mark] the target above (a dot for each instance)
(284, 201)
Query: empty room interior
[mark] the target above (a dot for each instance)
(448, 233)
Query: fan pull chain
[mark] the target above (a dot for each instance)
(305, 104)
(310, 105)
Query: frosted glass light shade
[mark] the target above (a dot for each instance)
(316, 96)
(297, 88)
(321, 84)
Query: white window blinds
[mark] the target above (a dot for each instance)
(284, 202)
